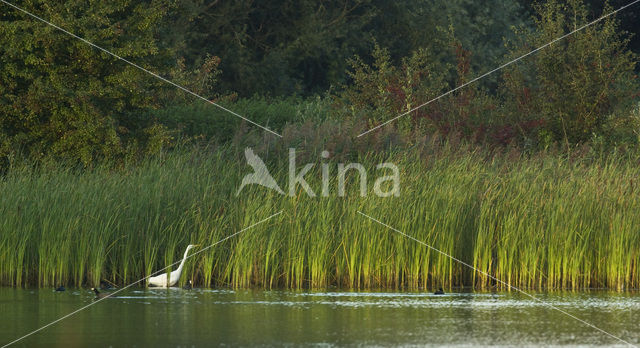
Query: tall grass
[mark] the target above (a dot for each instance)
(540, 221)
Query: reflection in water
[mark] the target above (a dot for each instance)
(203, 318)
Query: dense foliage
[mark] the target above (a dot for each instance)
(365, 60)
(63, 98)
(578, 88)
(546, 222)
(302, 46)
(120, 168)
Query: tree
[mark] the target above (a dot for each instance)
(302, 46)
(575, 86)
(273, 47)
(62, 98)
(480, 26)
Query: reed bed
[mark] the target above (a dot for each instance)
(541, 221)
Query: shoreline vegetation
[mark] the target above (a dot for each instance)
(543, 220)
(529, 174)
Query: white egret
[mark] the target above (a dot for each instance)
(174, 276)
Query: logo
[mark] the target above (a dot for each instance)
(261, 176)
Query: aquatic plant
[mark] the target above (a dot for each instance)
(534, 221)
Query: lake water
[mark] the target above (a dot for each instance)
(205, 318)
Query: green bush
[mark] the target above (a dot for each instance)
(63, 99)
(579, 84)
(382, 91)
(202, 121)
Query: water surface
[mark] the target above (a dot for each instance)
(204, 318)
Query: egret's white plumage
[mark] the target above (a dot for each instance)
(174, 276)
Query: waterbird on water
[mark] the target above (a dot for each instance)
(60, 288)
(189, 285)
(439, 292)
(99, 294)
(174, 276)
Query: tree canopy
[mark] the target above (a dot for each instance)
(61, 98)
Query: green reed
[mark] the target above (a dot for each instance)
(540, 221)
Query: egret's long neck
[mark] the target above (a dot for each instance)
(184, 258)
